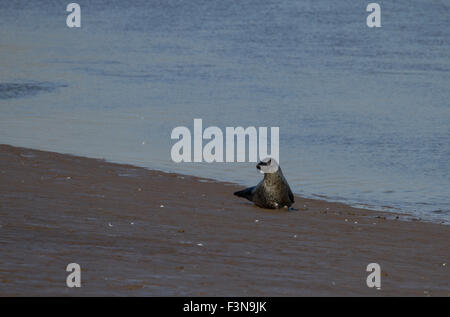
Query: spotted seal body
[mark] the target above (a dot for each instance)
(273, 191)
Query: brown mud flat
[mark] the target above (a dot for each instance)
(141, 232)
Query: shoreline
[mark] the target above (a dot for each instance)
(145, 232)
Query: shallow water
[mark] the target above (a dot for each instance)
(363, 113)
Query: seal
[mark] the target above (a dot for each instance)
(273, 191)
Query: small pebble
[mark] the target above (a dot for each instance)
(109, 224)
(162, 206)
(200, 244)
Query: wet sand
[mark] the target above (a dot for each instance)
(141, 232)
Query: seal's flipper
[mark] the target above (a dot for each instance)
(291, 196)
(246, 193)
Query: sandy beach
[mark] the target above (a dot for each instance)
(140, 232)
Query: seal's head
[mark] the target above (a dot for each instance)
(267, 165)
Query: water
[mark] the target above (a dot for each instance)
(363, 113)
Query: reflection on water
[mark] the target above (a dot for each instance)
(17, 90)
(363, 113)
